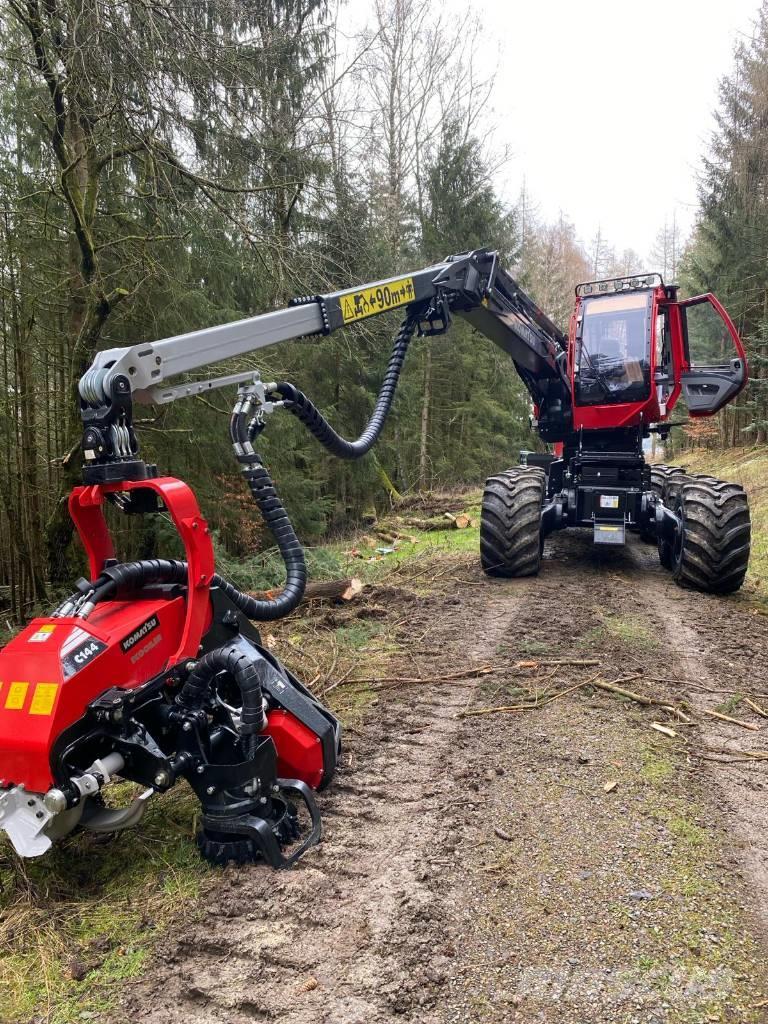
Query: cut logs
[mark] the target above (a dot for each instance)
(334, 590)
(326, 590)
(448, 521)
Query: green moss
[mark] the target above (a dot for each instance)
(730, 705)
(657, 767)
(527, 647)
(628, 630)
(357, 634)
(687, 831)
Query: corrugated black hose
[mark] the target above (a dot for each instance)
(132, 576)
(246, 669)
(297, 403)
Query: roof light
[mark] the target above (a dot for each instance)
(619, 284)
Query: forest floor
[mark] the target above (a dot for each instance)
(514, 845)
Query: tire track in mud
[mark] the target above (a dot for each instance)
(719, 648)
(587, 907)
(474, 869)
(349, 935)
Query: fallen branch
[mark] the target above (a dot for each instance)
(535, 663)
(339, 681)
(747, 755)
(565, 661)
(482, 670)
(743, 759)
(727, 718)
(663, 729)
(511, 708)
(756, 707)
(638, 698)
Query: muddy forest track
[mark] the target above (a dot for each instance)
(568, 864)
(349, 936)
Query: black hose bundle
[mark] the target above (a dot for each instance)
(274, 515)
(128, 577)
(297, 403)
(245, 667)
(119, 579)
(288, 544)
(125, 577)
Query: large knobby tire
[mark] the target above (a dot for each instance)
(660, 474)
(711, 552)
(510, 526)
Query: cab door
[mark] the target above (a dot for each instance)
(714, 365)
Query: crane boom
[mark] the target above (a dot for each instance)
(472, 285)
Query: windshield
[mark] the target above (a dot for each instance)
(613, 350)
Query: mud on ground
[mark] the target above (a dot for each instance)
(566, 864)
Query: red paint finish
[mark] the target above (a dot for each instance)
(618, 414)
(56, 667)
(49, 673)
(650, 410)
(46, 685)
(86, 506)
(299, 751)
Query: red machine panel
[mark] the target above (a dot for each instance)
(52, 670)
(299, 750)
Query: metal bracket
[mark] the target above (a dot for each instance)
(162, 396)
(24, 818)
(436, 319)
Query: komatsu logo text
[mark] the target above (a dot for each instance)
(138, 634)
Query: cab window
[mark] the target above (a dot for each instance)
(613, 361)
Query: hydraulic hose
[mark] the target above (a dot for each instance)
(246, 668)
(297, 403)
(242, 433)
(126, 577)
(130, 576)
(289, 545)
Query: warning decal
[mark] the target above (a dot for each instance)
(17, 694)
(370, 301)
(43, 699)
(42, 635)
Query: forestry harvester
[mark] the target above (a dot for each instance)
(151, 671)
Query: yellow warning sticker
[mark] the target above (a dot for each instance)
(43, 634)
(17, 694)
(43, 699)
(370, 301)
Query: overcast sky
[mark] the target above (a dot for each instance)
(607, 105)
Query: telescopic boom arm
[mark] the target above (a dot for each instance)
(471, 285)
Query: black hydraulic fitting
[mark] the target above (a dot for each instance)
(246, 668)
